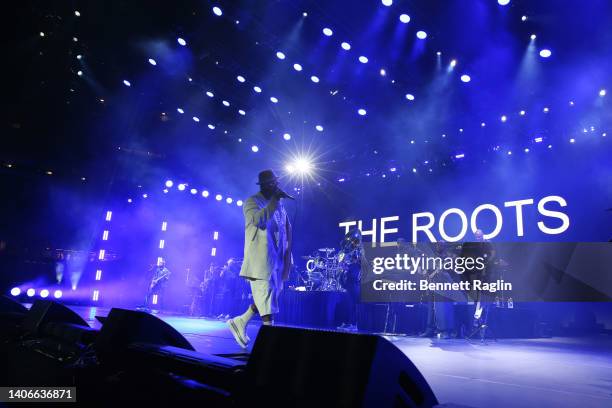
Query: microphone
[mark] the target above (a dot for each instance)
(282, 194)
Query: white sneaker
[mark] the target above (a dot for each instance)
(237, 327)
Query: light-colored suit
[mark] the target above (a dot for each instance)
(267, 241)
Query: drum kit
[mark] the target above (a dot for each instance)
(326, 268)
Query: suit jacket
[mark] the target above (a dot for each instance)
(267, 240)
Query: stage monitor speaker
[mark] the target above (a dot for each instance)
(123, 327)
(8, 305)
(302, 367)
(45, 311)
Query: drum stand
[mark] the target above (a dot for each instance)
(483, 328)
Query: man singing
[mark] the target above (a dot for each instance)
(267, 253)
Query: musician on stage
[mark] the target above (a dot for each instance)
(159, 280)
(267, 253)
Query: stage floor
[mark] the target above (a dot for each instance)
(557, 372)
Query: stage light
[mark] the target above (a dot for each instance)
(210, 94)
(211, 127)
(483, 124)
(421, 35)
(254, 148)
(225, 103)
(545, 53)
(145, 195)
(95, 296)
(362, 112)
(410, 97)
(314, 79)
(280, 55)
(414, 170)
(453, 63)
(196, 119)
(240, 112)
(383, 72)
(31, 292)
(15, 291)
(524, 18)
(193, 191)
(538, 139)
(79, 56)
(273, 99)
(42, 34)
(509, 152)
(387, 2)
(572, 140)
(229, 200)
(503, 2)
(319, 128)
(522, 113)
(218, 197)
(239, 203)
(526, 150)
(181, 187)
(363, 59)
(392, 169)
(181, 41)
(240, 78)
(205, 193)
(328, 32)
(126, 82)
(550, 146)
(152, 61)
(604, 134)
(571, 103)
(602, 92)
(44, 293)
(465, 78)
(404, 18)
(297, 67)
(545, 110)
(180, 110)
(460, 156)
(217, 11)
(345, 46)
(109, 215)
(76, 13)
(532, 36)
(169, 183)
(504, 118)
(105, 235)
(287, 136)
(257, 89)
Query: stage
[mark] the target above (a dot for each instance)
(559, 372)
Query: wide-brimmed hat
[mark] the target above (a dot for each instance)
(266, 176)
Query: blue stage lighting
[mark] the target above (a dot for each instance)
(240, 78)
(126, 82)
(241, 112)
(297, 67)
(196, 119)
(280, 55)
(404, 18)
(387, 2)
(193, 191)
(205, 193)
(504, 118)
(57, 294)
(465, 78)
(532, 37)
(44, 293)
(314, 79)
(287, 136)
(319, 128)
(545, 53)
(169, 183)
(383, 72)
(210, 94)
(503, 2)
(211, 126)
(273, 99)
(257, 89)
(602, 92)
(181, 41)
(363, 59)
(239, 203)
(152, 61)
(225, 103)
(181, 187)
(180, 110)
(362, 112)
(254, 148)
(217, 11)
(421, 35)
(522, 113)
(328, 32)
(410, 97)
(15, 291)
(31, 292)
(218, 197)
(229, 200)
(345, 46)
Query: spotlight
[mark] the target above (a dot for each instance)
(76, 13)
(31, 292)
(297, 67)
(319, 128)
(524, 18)
(129, 200)
(546, 110)
(210, 94)
(421, 35)
(465, 78)
(453, 63)
(287, 136)
(280, 55)
(239, 203)
(57, 294)
(126, 82)
(254, 148)
(196, 119)
(526, 150)
(545, 53)
(345, 46)
(602, 92)
(229, 200)
(193, 191)
(169, 183)
(181, 41)
(504, 118)
(241, 112)
(79, 56)
(362, 112)
(240, 78)
(225, 103)
(404, 18)
(205, 193)
(145, 195)
(44, 293)
(257, 89)
(218, 197)
(438, 53)
(181, 187)
(387, 2)
(538, 139)
(328, 32)
(363, 59)
(460, 156)
(180, 110)
(15, 291)
(533, 37)
(217, 11)
(503, 2)
(410, 97)
(314, 79)
(572, 140)
(273, 99)
(522, 113)
(165, 190)
(152, 61)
